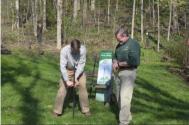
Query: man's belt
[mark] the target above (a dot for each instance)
(127, 68)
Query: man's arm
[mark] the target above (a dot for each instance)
(81, 63)
(134, 55)
(63, 63)
(115, 62)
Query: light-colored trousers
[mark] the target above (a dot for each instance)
(124, 90)
(62, 91)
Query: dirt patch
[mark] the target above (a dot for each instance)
(182, 71)
(5, 50)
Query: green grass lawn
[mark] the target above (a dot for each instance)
(29, 86)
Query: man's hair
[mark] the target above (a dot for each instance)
(122, 31)
(75, 45)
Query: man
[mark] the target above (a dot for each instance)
(72, 56)
(125, 63)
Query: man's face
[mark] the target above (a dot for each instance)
(75, 51)
(121, 37)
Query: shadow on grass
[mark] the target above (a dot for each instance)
(114, 106)
(68, 103)
(157, 102)
(30, 108)
(168, 107)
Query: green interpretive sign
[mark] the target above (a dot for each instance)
(104, 74)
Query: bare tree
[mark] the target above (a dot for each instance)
(93, 10)
(149, 9)
(175, 16)
(17, 14)
(84, 12)
(153, 13)
(75, 10)
(12, 15)
(158, 27)
(92, 5)
(117, 5)
(142, 29)
(133, 19)
(78, 5)
(28, 10)
(55, 4)
(185, 22)
(65, 7)
(98, 20)
(0, 23)
(39, 31)
(170, 19)
(59, 23)
(108, 11)
(44, 15)
(34, 16)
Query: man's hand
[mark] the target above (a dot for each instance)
(69, 83)
(123, 64)
(76, 83)
(115, 65)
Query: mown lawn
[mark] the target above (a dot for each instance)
(29, 85)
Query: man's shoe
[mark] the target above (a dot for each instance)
(87, 114)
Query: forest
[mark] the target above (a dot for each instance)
(34, 31)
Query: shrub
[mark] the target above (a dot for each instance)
(179, 51)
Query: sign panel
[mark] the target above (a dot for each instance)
(104, 74)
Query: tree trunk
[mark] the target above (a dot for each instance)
(114, 27)
(0, 23)
(40, 8)
(65, 7)
(153, 13)
(142, 29)
(75, 10)
(170, 18)
(114, 21)
(44, 15)
(59, 23)
(133, 19)
(28, 11)
(158, 28)
(78, 5)
(175, 17)
(84, 12)
(39, 32)
(92, 5)
(17, 14)
(6, 12)
(150, 12)
(34, 16)
(185, 22)
(93, 10)
(99, 20)
(12, 15)
(108, 11)
(117, 5)
(55, 4)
